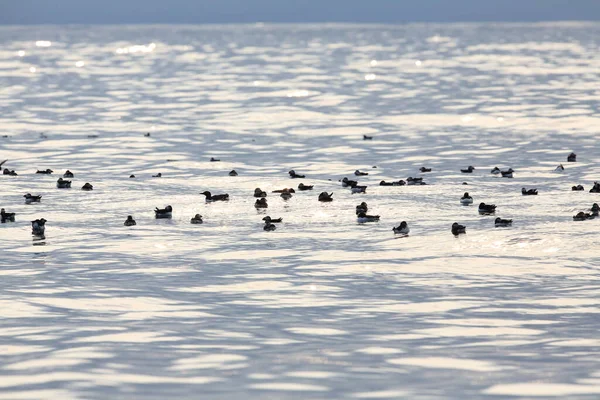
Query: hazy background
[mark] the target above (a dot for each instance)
(232, 11)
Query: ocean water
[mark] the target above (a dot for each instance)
(324, 307)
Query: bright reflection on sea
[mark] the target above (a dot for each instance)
(136, 49)
(323, 307)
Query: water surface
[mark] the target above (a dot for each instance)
(323, 307)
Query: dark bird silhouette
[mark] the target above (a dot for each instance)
(4, 216)
(166, 212)
(499, 222)
(457, 229)
(324, 196)
(530, 192)
(216, 197)
(402, 228)
(293, 174)
(261, 203)
(268, 219)
(487, 208)
(38, 227)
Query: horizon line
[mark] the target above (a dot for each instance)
(275, 23)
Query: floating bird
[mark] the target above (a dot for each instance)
(572, 157)
(508, 173)
(68, 174)
(4, 216)
(216, 197)
(595, 208)
(268, 219)
(38, 227)
(9, 172)
(166, 212)
(361, 208)
(269, 227)
(359, 173)
(45, 172)
(530, 192)
(401, 229)
(324, 196)
(284, 190)
(359, 189)
(499, 222)
(196, 219)
(62, 184)
(495, 171)
(415, 181)
(424, 169)
(129, 221)
(469, 170)
(291, 190)
(347, 182)
(259, 193)
(87, 187)
(159, 175)
(365, 137)
(286, 194)
(582, 216)
(487, 208)
(32, 199)
(466, 199)
(362, 217)
(560, 168)
(293, 174)
(132, 176)
(396, 183)
(261, 203)
(212, 159)
(577, 188)
(302, 186)
(595, 188)
(233, 173)
(457, 229)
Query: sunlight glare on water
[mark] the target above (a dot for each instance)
(323, 307)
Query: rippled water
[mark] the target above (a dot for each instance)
(323, 307)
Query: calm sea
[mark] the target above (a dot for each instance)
(323, 307)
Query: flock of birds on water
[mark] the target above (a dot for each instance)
(38, 226)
